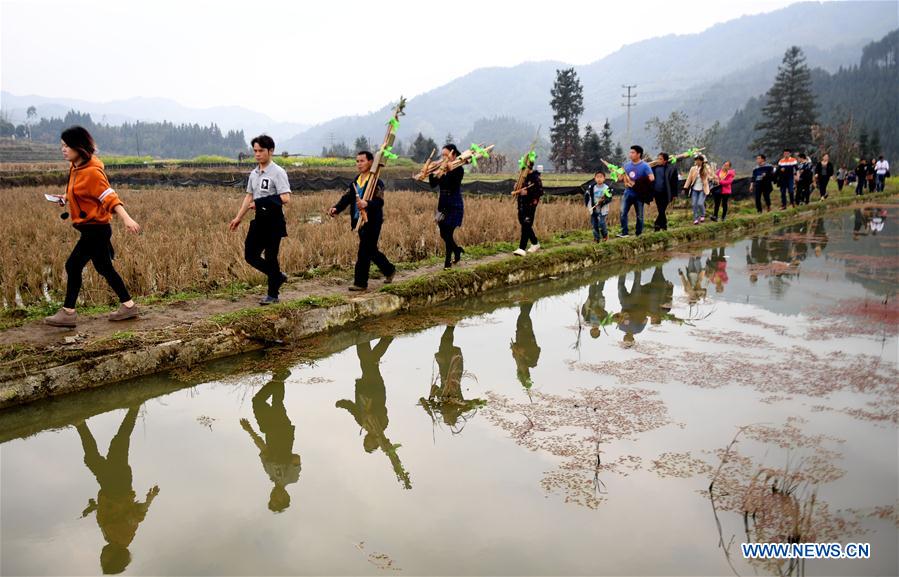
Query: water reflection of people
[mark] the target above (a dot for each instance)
(693, 279)
(635, 304)
(276, 450)
(594, 310)
(774, 258)
(819, 237)
(858, 224)
(525, 350)
(118, 512)
(878, 219)
(661, 294)
(756, 257)
(716, 267)
(447, 399)
(370, 407)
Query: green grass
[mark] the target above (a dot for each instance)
(136, 160)
(210, 159)
(301, 304)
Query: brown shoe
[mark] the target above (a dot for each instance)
(124, 313)
(389, 278)
(62, 318)
(357, 289)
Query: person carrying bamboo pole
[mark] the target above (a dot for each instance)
(370, 230)
(528, 198)
(450, 206)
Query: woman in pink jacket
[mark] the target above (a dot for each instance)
(725, 177)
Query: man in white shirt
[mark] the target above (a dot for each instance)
(881, 168)
(268, 190)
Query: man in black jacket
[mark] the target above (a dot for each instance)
(371, 230)
(664, 187)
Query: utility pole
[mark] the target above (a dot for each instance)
(629, 96)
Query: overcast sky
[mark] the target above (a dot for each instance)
(311, 61)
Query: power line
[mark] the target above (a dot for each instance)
(629, 104)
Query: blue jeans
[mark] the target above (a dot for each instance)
(631, 199)
(879, 181)
(698, 197)
(600, 230)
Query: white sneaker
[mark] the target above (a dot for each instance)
(534, 248)
(519, 252)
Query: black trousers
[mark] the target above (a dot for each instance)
(446, 233)
(860, 187)
(822, 186)
(369, 253)
(93, 246)
(758, 199)
(721, 199)
(265, 237)
(526, 220)
(803, 192)
(661, 222)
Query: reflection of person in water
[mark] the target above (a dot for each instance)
(276, 450)
(693, 279)
(594, 310)
(524, 348)
(370, 407)
(635, 306)
(118, 511)
(447, 399)
(878, 220)
(756, 257)
(858, 224)
(661, 293)
(819, 237)
(716, 267)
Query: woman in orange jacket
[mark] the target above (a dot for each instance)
(91, 202)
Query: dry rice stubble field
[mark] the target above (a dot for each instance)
(186, 245)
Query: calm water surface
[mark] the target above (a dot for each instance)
(565, 427)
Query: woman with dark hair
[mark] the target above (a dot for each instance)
(823, 172)
(725, 178)
(450, 207)
(91, 202)
(697, 186)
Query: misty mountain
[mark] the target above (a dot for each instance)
(709, 74)
(131, 110)
(847, 92)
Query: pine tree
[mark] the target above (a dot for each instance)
(591, 156)
(605, 141)
(421, 148)
(361, 144)
(449, 138)
(568, 105)
(875, 143)
(790, 110)
(619, 154)
(864, 143)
